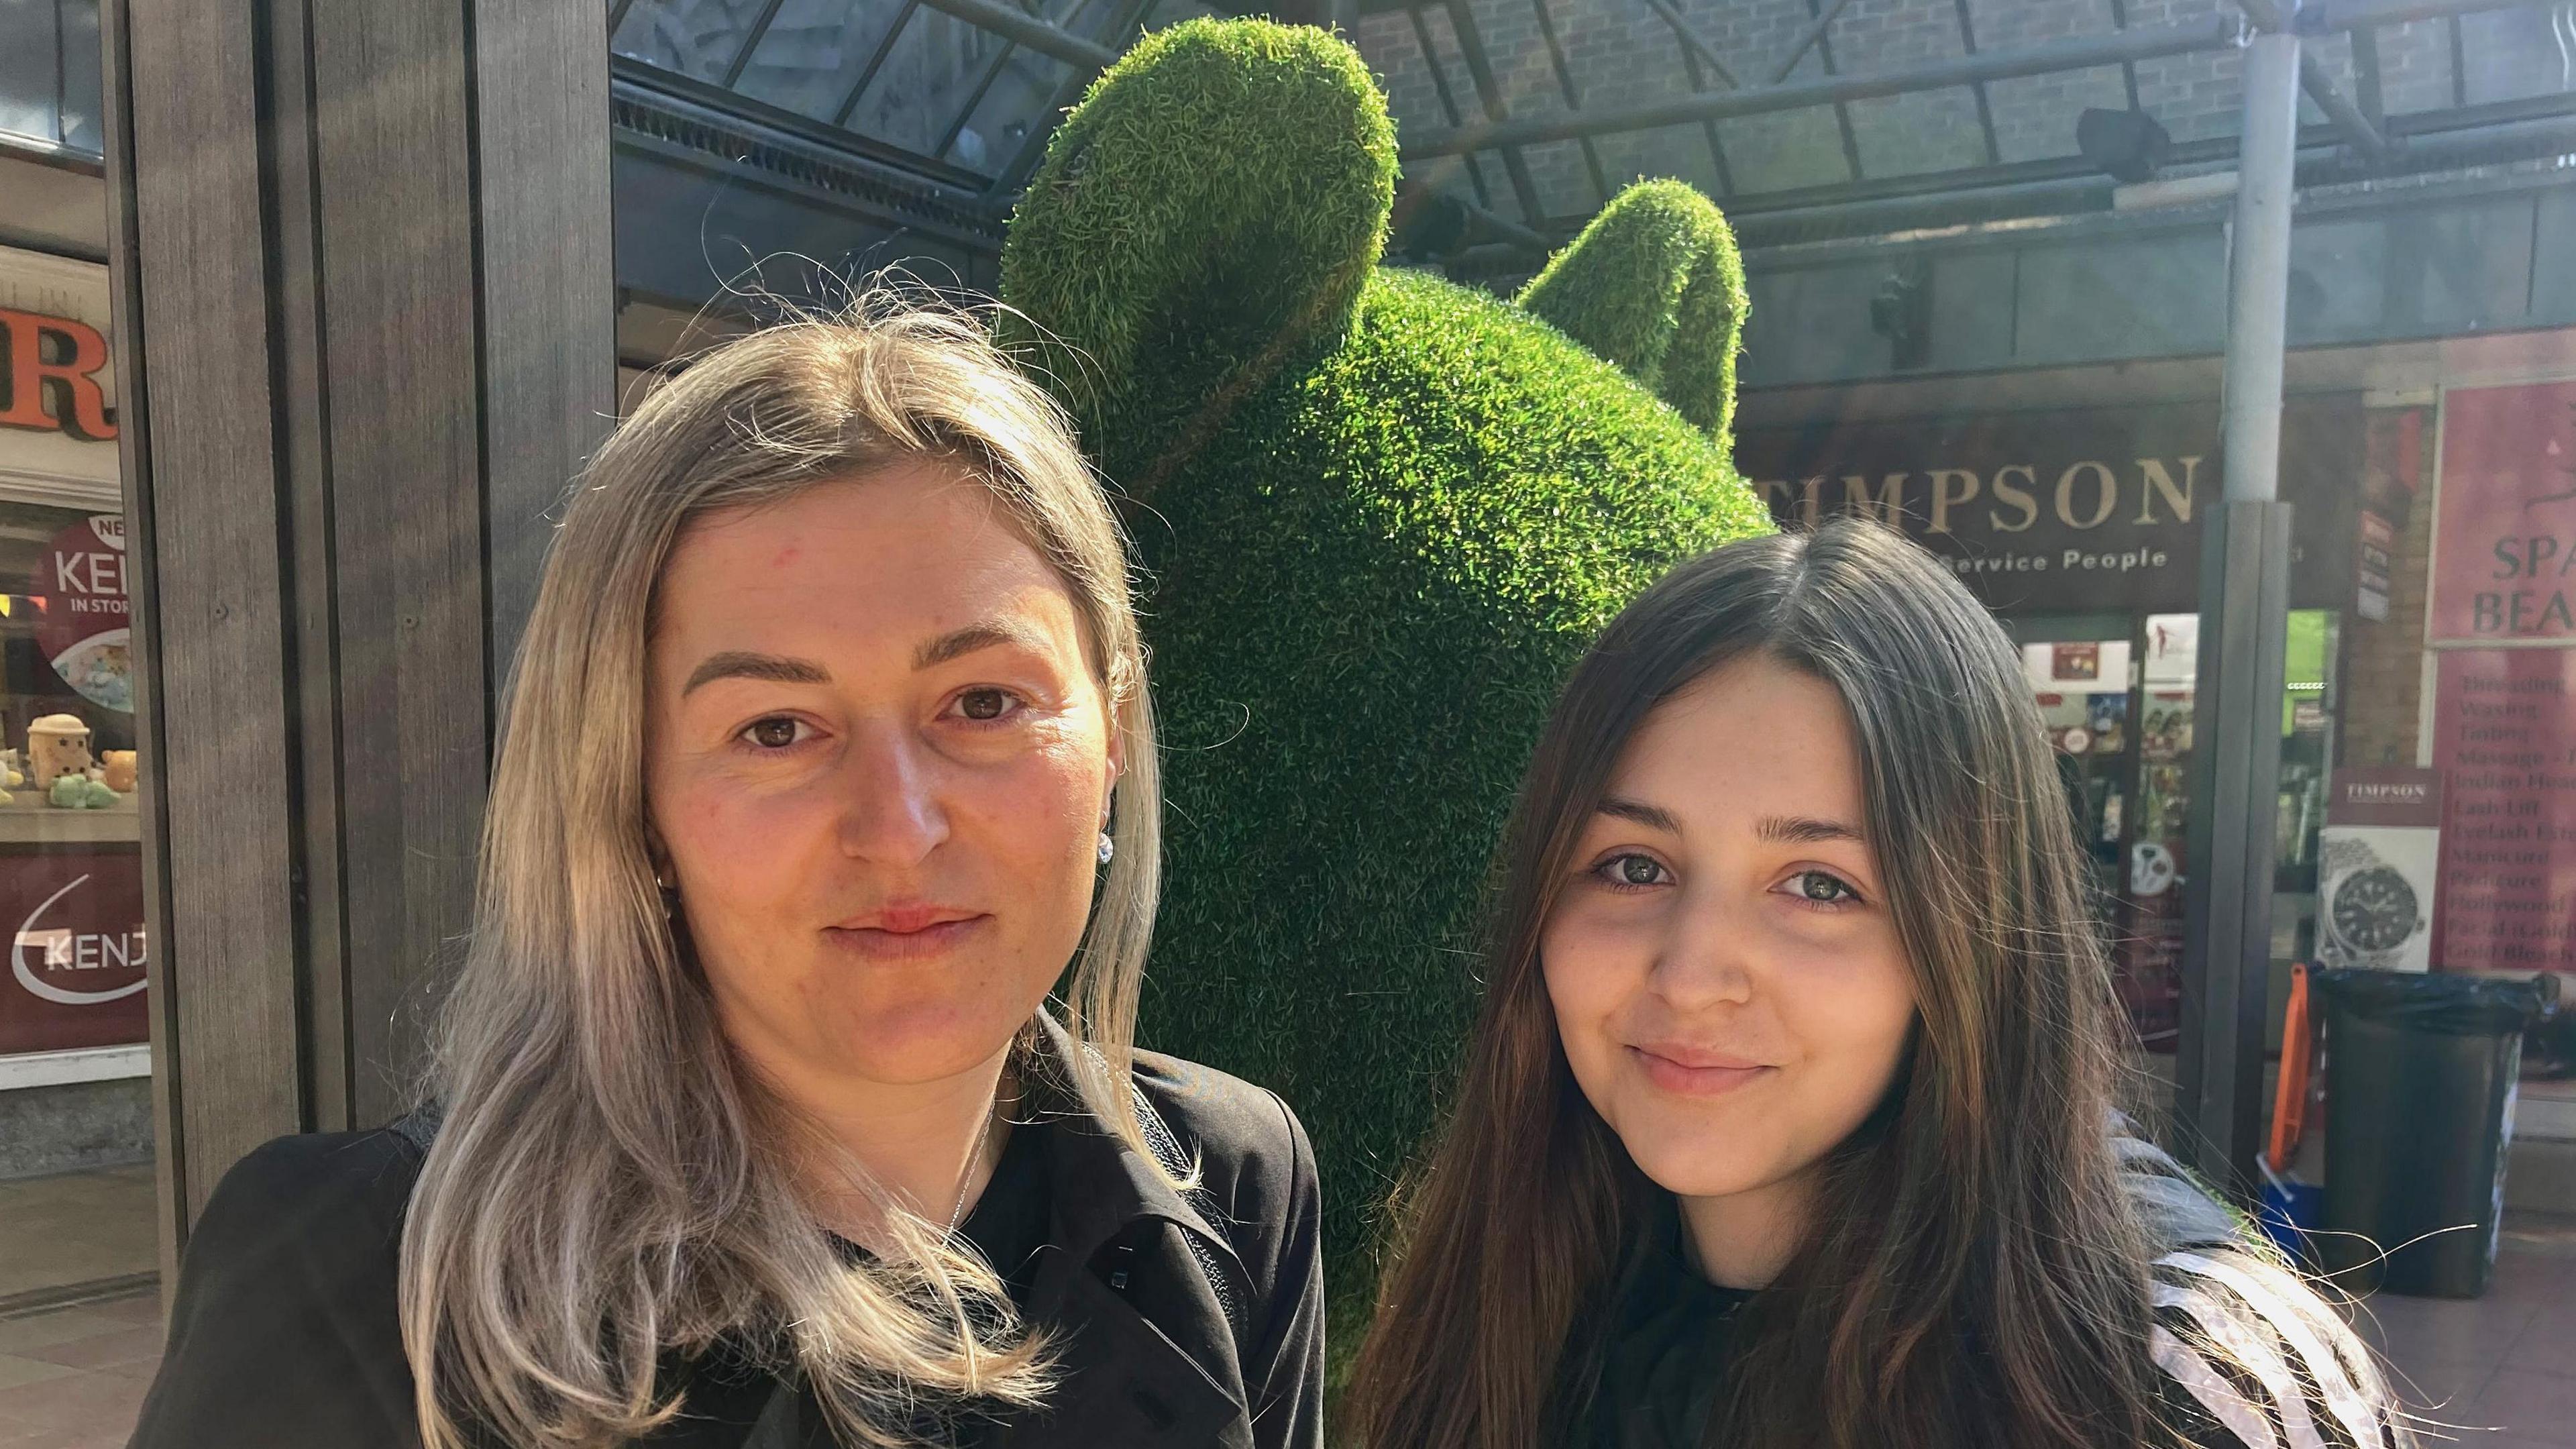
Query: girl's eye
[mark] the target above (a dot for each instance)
(1633, 872)
(1822, 888)
(776, 732)
(985, 705)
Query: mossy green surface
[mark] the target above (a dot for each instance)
(1216, 200)
(1655, 284)
(1378, 528)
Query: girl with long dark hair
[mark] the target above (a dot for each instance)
(1790, 1116)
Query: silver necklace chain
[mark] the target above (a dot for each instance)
(974, 1158)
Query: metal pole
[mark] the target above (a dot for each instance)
(2244, 620)
(2258, 268)
(2365, 137)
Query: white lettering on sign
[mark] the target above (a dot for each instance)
(91, 573)
(62, 951)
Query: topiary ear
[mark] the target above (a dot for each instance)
(1655, 285)
(1218, 198)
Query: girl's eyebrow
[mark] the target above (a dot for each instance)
(1805, 830)
(1653, 817)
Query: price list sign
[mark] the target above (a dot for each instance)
(2505, 740)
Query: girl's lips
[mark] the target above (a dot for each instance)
(1695, 1081)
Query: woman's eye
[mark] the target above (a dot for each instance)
(1822, 888)
(985, 704)
(1632, 871)
(775, 733)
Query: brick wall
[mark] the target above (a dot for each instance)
(2384, 663)
(1618, 52)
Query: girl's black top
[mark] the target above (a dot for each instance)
(1669, 1343)
(2248, 1357)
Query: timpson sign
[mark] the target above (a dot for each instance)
(2069, 510)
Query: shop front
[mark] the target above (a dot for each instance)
(73, 1029)
(2081, 529)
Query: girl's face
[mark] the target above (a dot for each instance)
(878, 763)
(1726, 978)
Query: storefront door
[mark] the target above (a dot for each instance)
(2116, 697)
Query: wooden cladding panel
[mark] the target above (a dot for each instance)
(394, 178)
(228, 946)
(550, 318)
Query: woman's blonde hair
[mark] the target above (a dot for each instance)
(608, 1183)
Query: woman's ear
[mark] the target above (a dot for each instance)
(1216, 200)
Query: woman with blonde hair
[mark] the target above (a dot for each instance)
(751, 1119)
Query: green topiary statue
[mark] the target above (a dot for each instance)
(1381, 514)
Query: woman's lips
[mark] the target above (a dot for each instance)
(907, 935)
(1696, 1074)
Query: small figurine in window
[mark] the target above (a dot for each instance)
(57, 749)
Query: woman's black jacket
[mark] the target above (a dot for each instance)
(1182, 1320)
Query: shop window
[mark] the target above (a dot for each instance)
(76, 1196)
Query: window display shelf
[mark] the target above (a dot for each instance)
(86, 1064)
(28, 820)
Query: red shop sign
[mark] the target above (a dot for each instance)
(86, 627)
(2504, 736)
(2504, 536)
(76, 953)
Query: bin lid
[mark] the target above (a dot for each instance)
(2446, 1003)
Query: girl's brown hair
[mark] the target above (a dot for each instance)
(1976, 1276)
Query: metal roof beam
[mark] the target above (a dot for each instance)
(1448, 102)
(1809, 39)
(1691, 39)
(1013, 23)
(1489, 94)
(2320, 87)
(2333, 15)
(2078, 54)
(2339, 109)
(750, 42)
(1024, 162)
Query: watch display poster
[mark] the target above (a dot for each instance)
(2504, 736)
(2379, 861)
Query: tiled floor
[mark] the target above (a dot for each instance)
(2505, 1362)
(74, 1378)
(78, 1227)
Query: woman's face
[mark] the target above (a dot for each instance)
(878, 765)
(1726, 978)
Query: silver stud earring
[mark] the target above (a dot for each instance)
(1108, 847)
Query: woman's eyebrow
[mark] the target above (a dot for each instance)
(1653, 817)
(1806, 830)
(986, 634)
(742, 664)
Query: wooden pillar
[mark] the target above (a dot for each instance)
(366, 297)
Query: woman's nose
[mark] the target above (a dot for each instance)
(893, 814)
(1706, 957)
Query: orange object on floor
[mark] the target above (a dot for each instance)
(2298, 1062)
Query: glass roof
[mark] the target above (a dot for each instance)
(898, 73)
(49, 76)
(904, 74)
(1526, 60)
